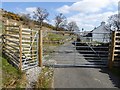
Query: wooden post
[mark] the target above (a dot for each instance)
(31, 39)
(20, 46)
(40, 46)
(6, 32)
(112, 49)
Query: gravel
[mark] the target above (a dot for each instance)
(32, 76)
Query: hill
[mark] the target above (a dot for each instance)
(20, 20)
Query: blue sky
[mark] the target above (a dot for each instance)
(86, 13)
(20, 7)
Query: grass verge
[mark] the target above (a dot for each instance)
(11, 77)
(45, 79)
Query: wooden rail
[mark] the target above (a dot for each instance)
(114, 59)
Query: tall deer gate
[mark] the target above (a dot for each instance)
(20, 45)
(65, 48)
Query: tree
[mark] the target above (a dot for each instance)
(113, 23)
(26, 18)
(72, 26)
(40, 15)
(60, 21)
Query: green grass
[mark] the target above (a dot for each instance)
(11, 77)
(55, 37)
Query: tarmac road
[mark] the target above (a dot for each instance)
(84, 78)
(80, 77)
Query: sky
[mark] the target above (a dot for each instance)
(86, 13)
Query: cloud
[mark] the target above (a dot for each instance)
(90, 13)
(87, 6)
(31, 9)
(64, 9)
(90, 21)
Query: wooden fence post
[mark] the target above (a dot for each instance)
(20, 46)
(112, 49)
(32, 48)
(40, 47)
(6, 32)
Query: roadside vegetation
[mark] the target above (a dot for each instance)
(45, 80)
(11, 77)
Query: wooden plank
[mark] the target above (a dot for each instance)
(20, 46)
(118, 32)
(12, 41)
(12, 47)
(116, 54)
(117, 36)
(11, 51)
(117, 50)
(11, 25)
(112, 49)
(26, 38)
(30, 54)
(25, 33)
(12, 60)
(117, 45)
(28, 30)
(26, 42)
(12, 31)
(16, 37)
(16, 59)
(13, 44)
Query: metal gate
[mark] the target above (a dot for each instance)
(65, 48)
(29, 48)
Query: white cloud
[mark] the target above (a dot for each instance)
(31, 9)
(87, 6)
(90, 21)
(64, 9)
(90, 12)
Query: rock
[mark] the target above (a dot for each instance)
(32, 76)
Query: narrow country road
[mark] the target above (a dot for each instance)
(84, 78)
(80, 77)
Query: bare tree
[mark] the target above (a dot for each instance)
(60, 21)
(72, 26)
(113, 23)
(40, 15)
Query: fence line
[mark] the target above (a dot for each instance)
(114, 59)
(21, 46)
